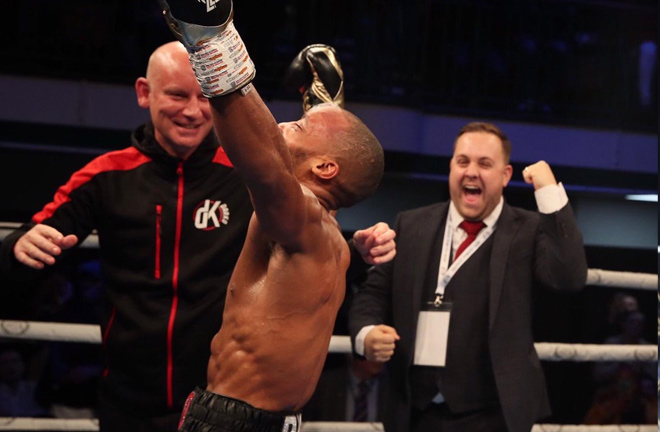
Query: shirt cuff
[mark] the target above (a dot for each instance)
(551, 198)
(359, 339)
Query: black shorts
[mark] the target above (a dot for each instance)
(205, 411)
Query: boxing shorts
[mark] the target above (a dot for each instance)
(205, 411)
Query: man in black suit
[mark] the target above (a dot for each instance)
(457, 330)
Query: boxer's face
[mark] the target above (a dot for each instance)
(180, 113)
(309, 138)
(478, 174)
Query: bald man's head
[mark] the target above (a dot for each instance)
(167, 56)
(179, 111)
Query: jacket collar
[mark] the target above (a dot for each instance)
(144, 140)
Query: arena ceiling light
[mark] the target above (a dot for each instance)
(642, 197)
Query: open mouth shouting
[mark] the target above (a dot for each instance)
(471, 193)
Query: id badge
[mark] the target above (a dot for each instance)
(432, 334)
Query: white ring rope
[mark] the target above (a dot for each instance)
(584, 353)
(595, 277)
(593, 428)
(618, 279)
(43, 424)
(341, 427)
(49, 331)
(46, 424)
(89, 333)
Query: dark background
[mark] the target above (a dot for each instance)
(558, 62)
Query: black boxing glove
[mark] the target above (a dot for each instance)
(217, 53)
(317, 74)
(206, 13)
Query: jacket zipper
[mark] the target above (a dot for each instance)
(159, 218)
(175, 284)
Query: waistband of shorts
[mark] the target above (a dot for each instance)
(216, 409)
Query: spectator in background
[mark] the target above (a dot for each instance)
(621, 302)
(18, 382)
(625, 392)
(354, 391)
(641, 32)
(75, 368)
(646, 66)
(51, 296)
(630, 327)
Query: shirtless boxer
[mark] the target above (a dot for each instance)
(289, 281)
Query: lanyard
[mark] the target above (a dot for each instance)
(447, 272)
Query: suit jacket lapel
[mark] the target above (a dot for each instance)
(429, 238)
(430, 245)
(502, 237)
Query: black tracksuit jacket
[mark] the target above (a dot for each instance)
(170, 233)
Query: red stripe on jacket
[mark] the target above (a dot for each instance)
(175, 287)
(120, 160)
(222, 158)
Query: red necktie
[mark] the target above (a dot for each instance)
(472, 229)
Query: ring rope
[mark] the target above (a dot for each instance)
(619, 279)
(593, 428)
(584, 353)
(90, 333)
(46, 424)
(43, 424)
(595, 277)
(50, 331)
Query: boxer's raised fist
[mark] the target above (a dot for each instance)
(317, 74)
(194, 22)
(200, 12)
(217, 53)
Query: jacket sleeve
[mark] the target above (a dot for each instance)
(9, 266)
(358, 268)
(561, 261)
(71, 212)
(372, 302)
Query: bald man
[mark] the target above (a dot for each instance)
(171, 215)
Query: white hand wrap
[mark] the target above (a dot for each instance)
(222, 64)
(217, 54)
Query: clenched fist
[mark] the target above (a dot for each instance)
(380, 342)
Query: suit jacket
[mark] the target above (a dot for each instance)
(529, 249)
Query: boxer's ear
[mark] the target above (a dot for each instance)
(325, 169)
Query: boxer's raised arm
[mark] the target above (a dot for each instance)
(256, 147)
(244, 125)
